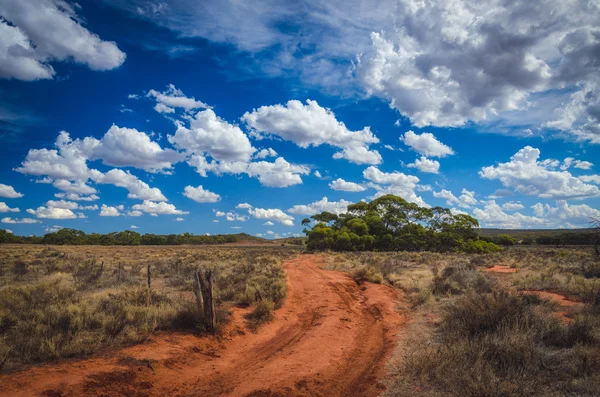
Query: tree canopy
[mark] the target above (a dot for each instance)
(390, 223)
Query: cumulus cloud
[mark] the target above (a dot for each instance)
(527, 175)
(264, 153)
(512, 206)
(395, 183)
(137, 189)
(199, 195)
(20, 221)
(280, 173)
(67, 166)
(312, 125)
(231, 216)
(208, 133)
(6, 208)
(128, 147)
(111, 211)
(243, 206)
(268, 223)
(35, 33)
(426, 165)
(8, 191)
(426, 144)
(335, 207)
(158, 208)
(134, 227)
(345, 186)
(172, 98)
(52, 213)
(590, 178)
(575, 216)
(492, 215)
(273, 214)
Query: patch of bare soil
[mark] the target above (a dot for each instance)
(500, 269)
(566, 305)
(332, 337)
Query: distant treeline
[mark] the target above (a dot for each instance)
(585, 237)
(78, 237)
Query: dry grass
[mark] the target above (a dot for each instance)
(66, 301)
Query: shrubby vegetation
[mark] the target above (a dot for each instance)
(390, 223)
(59, 302)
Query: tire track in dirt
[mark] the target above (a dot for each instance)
(331, 337)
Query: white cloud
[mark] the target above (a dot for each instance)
(426, 165)
(264, 153)
(318, 174)
(111, 211)
(36, 32)
(426, 144)
(128, 147)
(465, 200)
(67, 166)
(277, 174)
(179, 219)
(9, 231)
(210, 134)
(268, 223)
(493, 216)
(335, 207)
(236, 227)
(566, 215)
(6, 208)
(584, 165)
(590, 178)
(172, 98)
(273, 214)
(134, 227)
(68, 205)
(22, 221)
(8, 191)
(158, 208)
(395, 183)
(53, 229)
(243, 206)
(137, 189)
(52, 213)
(199, 195)
(527, 175)
(312, 125)
(270, 232)
(76, 197)
(345, 186)
(512, 206)
(215, 221)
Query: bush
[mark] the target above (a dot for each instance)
(261, 314)
(367, 273)
(497, 344)
(460, 278)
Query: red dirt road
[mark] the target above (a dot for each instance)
(332, 337)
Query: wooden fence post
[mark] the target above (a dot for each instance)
(120, 274)
(149, 277)
(206, 282)
(198, 292)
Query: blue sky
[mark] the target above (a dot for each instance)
(224, 117)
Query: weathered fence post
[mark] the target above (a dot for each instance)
(149, 277)
(206, 282)
(198, 292)
(120, 274)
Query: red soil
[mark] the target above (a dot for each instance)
(566, 305)
(500, 269)
(330, 338)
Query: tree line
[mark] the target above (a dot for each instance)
(77, 237)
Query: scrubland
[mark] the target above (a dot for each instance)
(71, 301)
(522, 322)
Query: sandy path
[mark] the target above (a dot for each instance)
(330, 338)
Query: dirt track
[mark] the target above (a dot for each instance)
(330, 338)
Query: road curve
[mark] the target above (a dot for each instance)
(332, 337)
